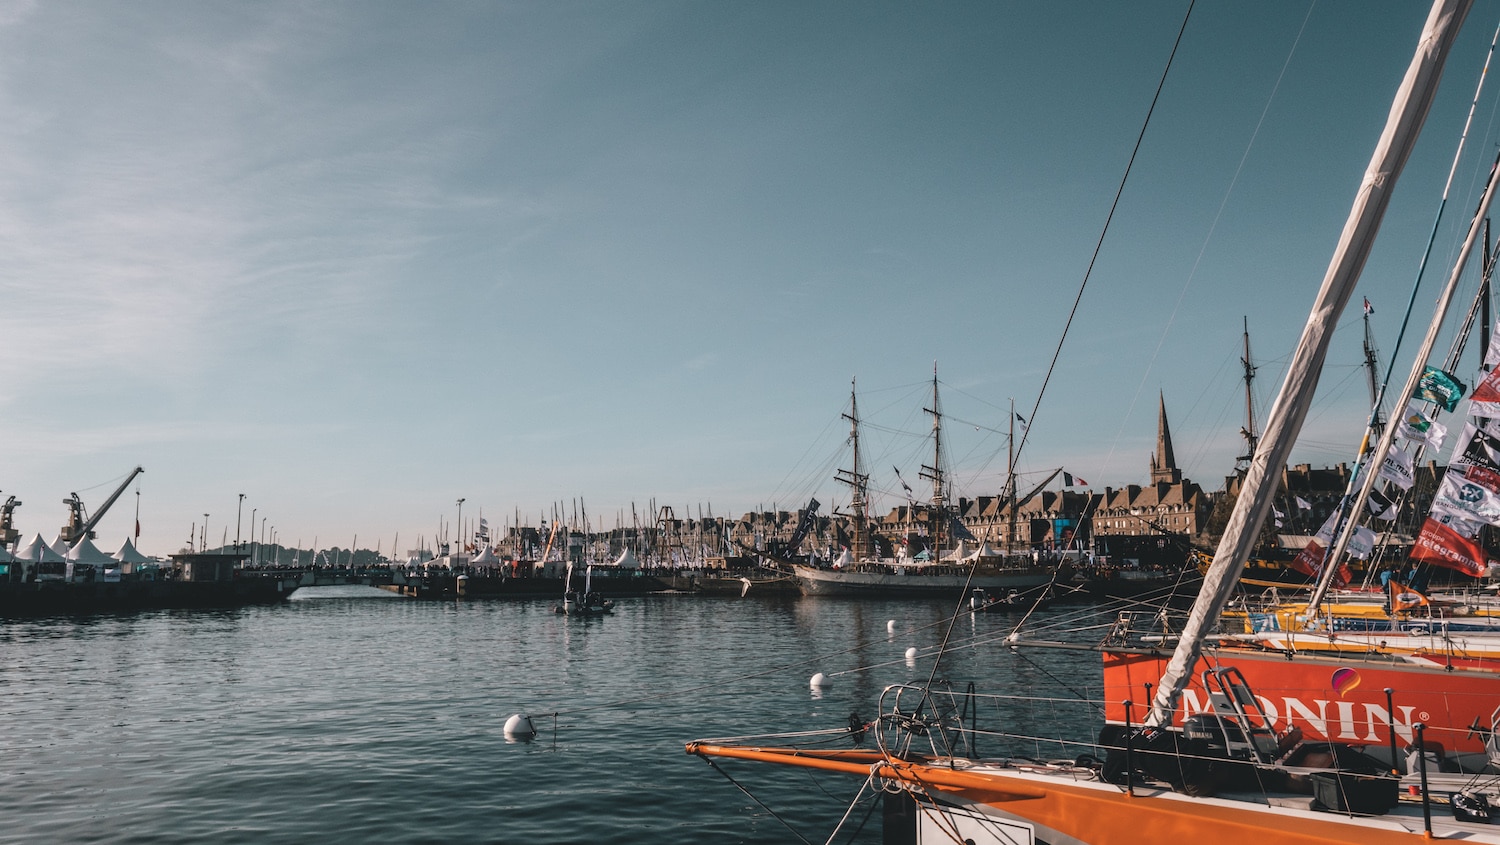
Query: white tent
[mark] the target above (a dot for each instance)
(59, 545)
(84, 551)
(984, 550)
(485, 557)
(37, 551)
(128, 553)
(628, 561)
(960, 552)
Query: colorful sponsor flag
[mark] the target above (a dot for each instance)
(1398, 469)
(1417, 427)
(1309, 561)
(1381, 506)
(1469, 492)
(1441, 388)
(1406, 598)
(1361, 543)
(1451, 541)
(1481, 446)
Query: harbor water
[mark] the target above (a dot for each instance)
(349, 715)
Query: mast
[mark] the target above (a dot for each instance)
(1484, 298)
(934, 473)
(858, 481)
(1010, 479)
(1251, 438)
(1403, 125)
(1377, 418)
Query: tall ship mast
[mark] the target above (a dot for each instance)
(859, 483)
(935, 473)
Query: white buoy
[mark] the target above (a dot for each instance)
(819, 681)
(519, 727)
(911, 653)
(891, 625)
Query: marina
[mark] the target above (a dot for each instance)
(376, 293)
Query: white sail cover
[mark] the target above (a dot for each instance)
(128, 553)
(84, 551)
(628, 561)
(486, 556)
(1404, 123)
(37, 551)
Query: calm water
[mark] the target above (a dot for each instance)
(349, 715)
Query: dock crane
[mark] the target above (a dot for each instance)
(80, 524)
(8, 533)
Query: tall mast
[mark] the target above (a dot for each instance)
(934, 473)
(1251, 438)
(858, 482)
(1377, 417)
(1484, 298)
(1010, 479)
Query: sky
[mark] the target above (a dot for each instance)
(356, 261)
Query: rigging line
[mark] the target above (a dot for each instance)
(1202, 250)
(1099, 245)
(751, 796)
(869, 781)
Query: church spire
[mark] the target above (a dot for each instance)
(1164, 463)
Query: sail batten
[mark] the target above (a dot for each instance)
(1404, 123)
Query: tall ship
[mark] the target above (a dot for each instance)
(948, 567)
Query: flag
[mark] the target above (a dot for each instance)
(1404, 597)
(1381, 506)
(904, 485)
(1398, 469)
(1470, 493)
(1071, 480)
(1279, 515)
(1481, 445)
(958, 530)
(1441, 388)
(1417, 427)
(1369, 309)
(1310, 560)
(1361, 543)
(1450, 541)
(1303, 504)
(138, 529)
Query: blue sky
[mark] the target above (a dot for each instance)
(358, 260)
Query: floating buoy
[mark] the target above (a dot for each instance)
(519, 727)
(911, 653)
(891, 625)
(819, 681)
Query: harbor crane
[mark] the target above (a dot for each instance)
(80, 524)
(8, 533)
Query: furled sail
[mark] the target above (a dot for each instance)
(1403, 125)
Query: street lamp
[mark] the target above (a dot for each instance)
(460, 526)
(254, 558)
(239, 509)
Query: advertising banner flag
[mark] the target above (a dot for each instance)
(1441, 388)
(1450, 541)
(1418, 427)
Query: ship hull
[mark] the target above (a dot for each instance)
(915, 582)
